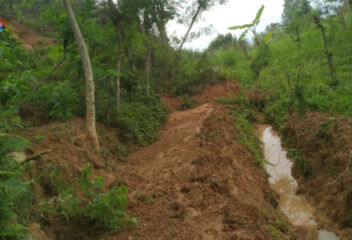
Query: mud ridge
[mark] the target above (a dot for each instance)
(197, 182)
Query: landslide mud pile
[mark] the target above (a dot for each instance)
(197, 182)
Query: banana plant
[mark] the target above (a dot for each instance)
(252, 27)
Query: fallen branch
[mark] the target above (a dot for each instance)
(63, 59)
(343, 174)
(38, 155)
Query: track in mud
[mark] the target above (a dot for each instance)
(197, 182)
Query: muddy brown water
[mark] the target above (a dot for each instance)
(297, 209)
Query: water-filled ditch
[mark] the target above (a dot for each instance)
(297, 209)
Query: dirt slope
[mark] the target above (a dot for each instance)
(30, 38)
(197, 182)
(325, 141)
(205, 94)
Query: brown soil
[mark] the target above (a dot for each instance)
(172, 103)
(30, 38)
(325, 143)
(226, 88)
(68, 152)
(195, 182)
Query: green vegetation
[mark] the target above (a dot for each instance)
(292, 64)
(303, 63)
(348, 202)
(105, 209)
(245, 115)
(15, 196)
(132, 59)
(140, 117)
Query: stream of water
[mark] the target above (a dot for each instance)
(296, 208)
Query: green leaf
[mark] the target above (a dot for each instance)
(241, 27)
(268, 36)
(7, 173)
(258, 16)
(244, 34)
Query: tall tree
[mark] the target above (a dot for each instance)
(295, 16)
(200, 6)
(87, 67)
(327, 52)
(156, 13)
(116, 17)
(162, 11)
(294, 9)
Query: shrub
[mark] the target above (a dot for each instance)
(140, 116)
(59, 100)
(106, 210)
(186, 102)
(14, 192)
(109, 209)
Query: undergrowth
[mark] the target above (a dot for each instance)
(139, 117)
(107, 209)
(348, 203)
(245, 115)
(302, 164)
(15, 197)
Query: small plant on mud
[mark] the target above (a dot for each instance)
(348, 202)
(186, 102)
(322, 132)
(275, 233)
(142, 197)
(122, 150)
(302, 164)
(281, 223)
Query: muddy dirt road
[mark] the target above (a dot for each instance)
(197, 182)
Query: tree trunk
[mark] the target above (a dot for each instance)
(115, 17)
(256, 38)
(162, 31)
(119, 62)
(54, 69)
(90, 101)
(328, 54)
(110, 101)
(341, 17)
(148, 67)
(190, 27)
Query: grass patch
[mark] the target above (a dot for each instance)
(244, 116)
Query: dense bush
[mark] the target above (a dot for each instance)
(139, 117)
(232, 63)
(105, 209)
(59, 100)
